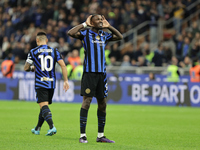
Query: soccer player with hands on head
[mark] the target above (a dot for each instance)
(42, 60)
(94, 79)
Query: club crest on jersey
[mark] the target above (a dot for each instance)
(98, 37)
(87, 91)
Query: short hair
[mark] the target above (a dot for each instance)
(41, 33)
(93, 16)
(41, 36)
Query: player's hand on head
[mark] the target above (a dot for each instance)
(106, 24)
(65, 86)
(88, 21)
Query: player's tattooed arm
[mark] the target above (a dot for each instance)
(29, 67)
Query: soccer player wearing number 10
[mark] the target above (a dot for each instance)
(42, 60)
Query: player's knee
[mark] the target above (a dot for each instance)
(86, 103)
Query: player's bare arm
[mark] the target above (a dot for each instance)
(74, 32)
(64, 72)
(116, 34)
(28, 67)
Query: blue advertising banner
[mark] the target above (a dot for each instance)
(8, 88)
(123, 89)
(155, 93)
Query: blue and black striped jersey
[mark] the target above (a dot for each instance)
(44, 59)
(94, 45)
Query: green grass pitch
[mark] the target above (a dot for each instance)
(132, 127)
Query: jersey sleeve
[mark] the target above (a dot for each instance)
(58, 55)
(108, 36)
(29, 58)
(83, 33)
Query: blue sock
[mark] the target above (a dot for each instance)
(101, 120)
(46, 113)
(83, 120)
(40, 121)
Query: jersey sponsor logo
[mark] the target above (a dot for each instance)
(98, 41)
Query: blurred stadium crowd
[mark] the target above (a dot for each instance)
(20, 20)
